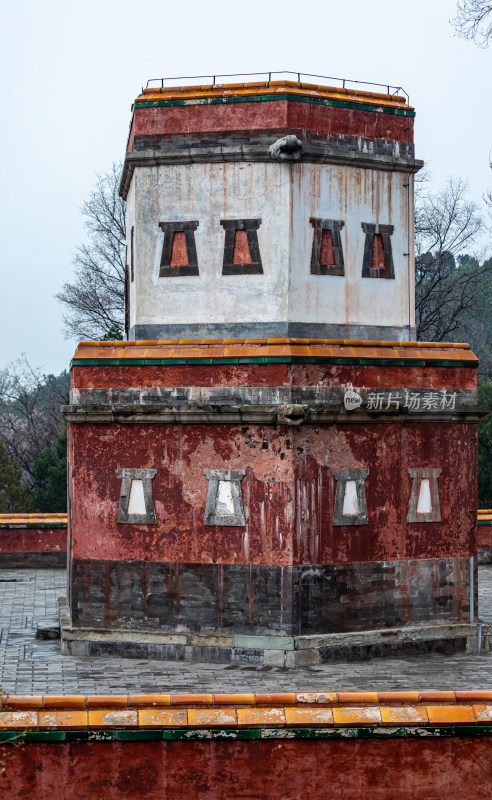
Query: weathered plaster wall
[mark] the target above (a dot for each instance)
(284, 197)
(209, 193)
(288, 492)
(354, 196)
(33, 547)
(249, 118)
(377, 376)
(33, 540)
(411, 769)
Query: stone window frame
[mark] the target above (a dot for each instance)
(385, 231)
(335, 226)
(169, 229)
(127, 476)
(342, 476)
(432, 475)
(235, 477)
(251, 227)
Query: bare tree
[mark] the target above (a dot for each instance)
(95, 301)
(488, 199)
(447, 224)
(473, 21)
(30, 419)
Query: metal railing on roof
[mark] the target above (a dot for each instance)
(390, 89)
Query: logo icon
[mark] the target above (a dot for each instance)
(352, 400)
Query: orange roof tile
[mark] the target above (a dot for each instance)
(245, 710)
(274, 348)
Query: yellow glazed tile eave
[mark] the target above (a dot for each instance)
(269, 88)
(385, 709)
(275, 348)
(32, 519)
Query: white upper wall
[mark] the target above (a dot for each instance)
(209, 193)
(353, 195)
(284, 196)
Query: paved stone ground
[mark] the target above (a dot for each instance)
(30, 666)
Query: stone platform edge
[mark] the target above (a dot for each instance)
(264, 715)
(273, 651)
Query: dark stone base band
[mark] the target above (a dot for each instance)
(484, 555)
(33, 560)
(257, 600)
(272, 330)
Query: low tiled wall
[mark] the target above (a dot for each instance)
(33, 540)
(484, 536)
(264, 745)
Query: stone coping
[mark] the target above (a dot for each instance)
(272, 350)
(269, 88)
(247, 710)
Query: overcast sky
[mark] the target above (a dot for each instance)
(70, 72)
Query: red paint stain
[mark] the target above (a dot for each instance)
(241, 253)
(377, 256)
(327, 252)
(179, 254)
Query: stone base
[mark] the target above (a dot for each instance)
(270, 651)
(45, 560)
(269, 600)
(484, 555)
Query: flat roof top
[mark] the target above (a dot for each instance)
(269, 88)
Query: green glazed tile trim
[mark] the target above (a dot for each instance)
(321, 101)
(44, 736)
(33, 525)
(77, 736)
(12, 736)
(387, 362)
(484, 522)
(90, 736)
(228, 734)
(194, 734)
(250, 733)
(470, 730)
(139, 736)
(377, 732)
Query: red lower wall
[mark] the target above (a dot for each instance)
(288, 492)
(33, 547)
(387, 769)
(33, 540)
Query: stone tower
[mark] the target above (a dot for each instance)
(270, 470)
(285, 210)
